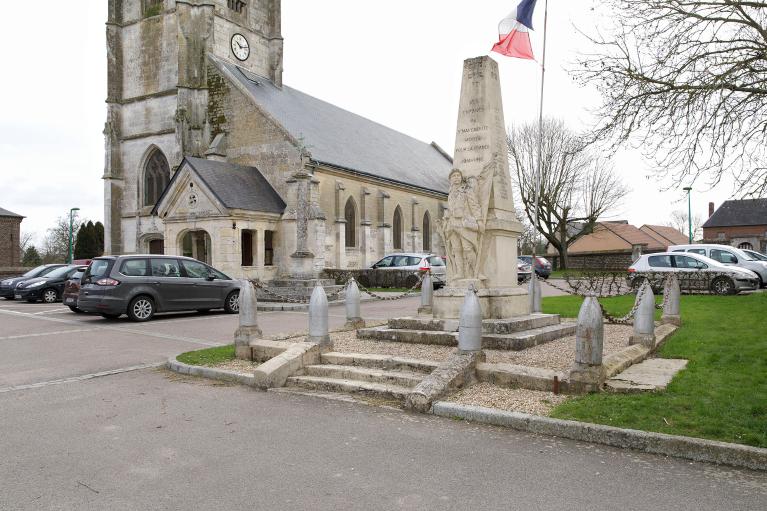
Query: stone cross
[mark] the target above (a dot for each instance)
(248, 329)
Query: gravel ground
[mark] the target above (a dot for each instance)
(559, 355)
(237, 365)
(514, 400)
(347, 342)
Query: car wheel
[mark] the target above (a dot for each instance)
(723, 286)
(141, 308)
(50, 296)
(75, 309)
(232, 303)
(109, 316)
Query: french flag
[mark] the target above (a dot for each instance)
(513, 32)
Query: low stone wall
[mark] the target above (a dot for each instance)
(8, 271)
(619, 261)
(370, 277)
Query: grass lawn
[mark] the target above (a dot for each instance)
(722, 395)
(208, 357)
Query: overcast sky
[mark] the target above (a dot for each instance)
(397, 62)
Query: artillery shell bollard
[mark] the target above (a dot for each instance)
(470, 323)
(353, 316)
(588, 374)
(318, 317)
(644, 319)
(671, 313)
(534, 293)
(427, 295)
(248, 329)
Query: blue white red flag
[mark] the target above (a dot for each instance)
(513, 32)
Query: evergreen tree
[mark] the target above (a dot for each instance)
(100, 237)
(82, 242)
(31, 257)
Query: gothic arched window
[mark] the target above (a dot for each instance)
(156, 177)
(426, 232)
(397, 229)
(350, 215)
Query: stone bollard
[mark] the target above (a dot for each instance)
(353, 316)
(588, 374)
(644, 319)
(427, 295)
(534, 293)
(671, 313)
(470, 323)
(248, 329)
(318, 317)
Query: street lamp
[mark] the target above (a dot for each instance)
(71, 219)
(688, 189)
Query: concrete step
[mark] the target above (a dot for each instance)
(489, 326)
(349, 386)
(527, 339)
(342, 372)
(514, 341)
(387, 362)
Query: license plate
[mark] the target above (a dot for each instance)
(70, 300)
(17, 297)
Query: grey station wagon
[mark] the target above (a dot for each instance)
(141, 285)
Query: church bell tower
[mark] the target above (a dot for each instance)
(157, 96)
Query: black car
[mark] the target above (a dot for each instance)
(47, 288)
(8, 286)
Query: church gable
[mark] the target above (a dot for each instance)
(187, 196)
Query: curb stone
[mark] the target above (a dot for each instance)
(209, 372)
(696, 449)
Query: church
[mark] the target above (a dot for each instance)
(210, 155)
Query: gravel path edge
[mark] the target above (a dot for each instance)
(696, 449)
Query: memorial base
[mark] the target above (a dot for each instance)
(496, 303)
(585, 378)
(242, 338)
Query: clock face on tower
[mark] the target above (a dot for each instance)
(240, 47)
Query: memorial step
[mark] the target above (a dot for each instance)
(349, 386)
(365, 374)
(387, 362)
(489, 326)
(514, 341)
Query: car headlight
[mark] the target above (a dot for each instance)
(37, 284)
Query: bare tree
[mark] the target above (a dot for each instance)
(577, 187)
(25, 240)
(678, 220)
(56, 242)
(686, 81)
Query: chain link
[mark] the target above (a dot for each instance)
(409, 292)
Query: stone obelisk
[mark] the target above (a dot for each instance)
(480, 229)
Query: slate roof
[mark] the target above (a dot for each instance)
(236, 186)
(342, 139)
(739, 212)
(6, 213)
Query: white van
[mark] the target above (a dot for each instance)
(727, 255)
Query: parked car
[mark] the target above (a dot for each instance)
(727, 255)
(714, 276)
(542, 265)
(415, 261)
(47, 288)
(72, 289)
(524, 271)
(756, 255)
(8, 286)
(141, 285)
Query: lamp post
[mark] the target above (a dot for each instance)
(71, 220)
(688, 189)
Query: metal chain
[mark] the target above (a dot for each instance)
(625, 320)
(412, 290)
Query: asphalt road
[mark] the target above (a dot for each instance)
(149, 439)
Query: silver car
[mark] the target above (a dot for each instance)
(140, 285)
(698, 273)
(415, 261)
(728, 256)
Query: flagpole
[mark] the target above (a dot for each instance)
(540, 135)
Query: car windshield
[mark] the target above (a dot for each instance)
(756, 255)
(59, 272)
(34, 272)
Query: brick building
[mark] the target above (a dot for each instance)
(615, 245)
(740, 223)
(10, 234)
(209, 155)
